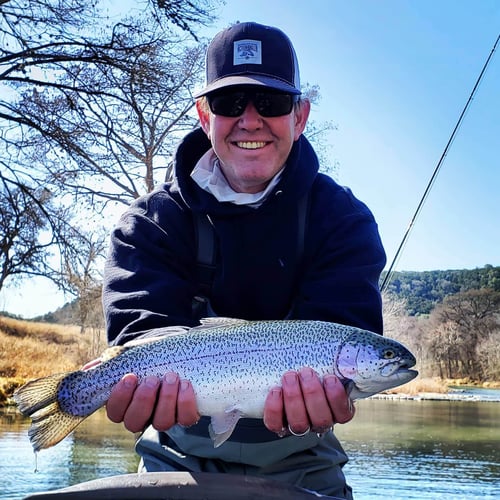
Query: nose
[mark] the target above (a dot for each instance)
(250, 119)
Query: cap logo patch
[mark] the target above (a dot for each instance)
(247, 52)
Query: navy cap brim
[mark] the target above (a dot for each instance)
(235, 80)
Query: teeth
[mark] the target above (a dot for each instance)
(251, 145)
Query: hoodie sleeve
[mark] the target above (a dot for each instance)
(148, 275)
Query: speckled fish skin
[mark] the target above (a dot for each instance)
(232, 364)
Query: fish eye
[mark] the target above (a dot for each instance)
(389, 354)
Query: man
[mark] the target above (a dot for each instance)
(249, 168)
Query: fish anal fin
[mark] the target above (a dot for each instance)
(222, 425)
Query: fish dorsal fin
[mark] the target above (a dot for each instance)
(155, 335)
(112, 352)
(222, 425)
(221, 321)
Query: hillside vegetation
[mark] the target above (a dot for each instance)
(422, 291)
(30, 350)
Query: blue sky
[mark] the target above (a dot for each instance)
(394, 77)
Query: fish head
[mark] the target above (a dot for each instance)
(369, 363)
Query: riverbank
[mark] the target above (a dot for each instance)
(437, 389)
(455, 394)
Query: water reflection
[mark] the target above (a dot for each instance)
(97, 448)
(401, 449)
(423, 450)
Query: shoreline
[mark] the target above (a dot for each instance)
(459, 394)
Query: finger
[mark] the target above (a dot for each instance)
(274, 411)
(142, 406)
(120, 397)
(295, 408)
(341, 406)
(166, 406)
(318, 409)
(187, 409)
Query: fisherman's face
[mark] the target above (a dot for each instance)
(252, 148)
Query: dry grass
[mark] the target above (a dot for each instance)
(30, 350)
(421, 385)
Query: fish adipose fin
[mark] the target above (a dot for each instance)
(38, 400)
(222, 425)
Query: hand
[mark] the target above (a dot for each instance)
(162, 403)
(305, 403)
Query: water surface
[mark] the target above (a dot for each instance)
(398, 449)
(424, 450)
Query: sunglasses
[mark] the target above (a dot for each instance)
(268, 103)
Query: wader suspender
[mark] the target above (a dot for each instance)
(207, 246)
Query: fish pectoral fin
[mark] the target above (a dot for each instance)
(222, 425)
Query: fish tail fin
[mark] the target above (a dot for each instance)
(49, 424)
(38, 393)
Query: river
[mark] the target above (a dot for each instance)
(398, 449)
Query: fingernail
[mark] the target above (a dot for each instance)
(306, 374)
(330, 380)
(290, 378)
(184, 385)
(129, 381)
(151, 382)
(276, 393)
(170, 378)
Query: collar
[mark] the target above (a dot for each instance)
(208, 174)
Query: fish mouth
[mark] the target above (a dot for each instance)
(398, 374)
(400, 370)
(406, 374)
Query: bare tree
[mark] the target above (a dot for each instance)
(89, 103)
(463, 324)
(317, 133)
(82, 278)
(25, 238)
(409, 330)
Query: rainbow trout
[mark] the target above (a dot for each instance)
(232, 365)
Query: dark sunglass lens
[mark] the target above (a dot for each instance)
(230, 105)
(270, 104)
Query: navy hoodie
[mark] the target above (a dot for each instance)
(151, 275)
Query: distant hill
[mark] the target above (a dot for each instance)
(423, 290)
(67, 314)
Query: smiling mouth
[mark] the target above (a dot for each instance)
(250, 144)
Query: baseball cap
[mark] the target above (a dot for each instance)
(251, 54)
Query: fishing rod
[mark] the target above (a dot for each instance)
(390, 271)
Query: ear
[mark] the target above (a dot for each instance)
(301, 114)
(203, 115)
